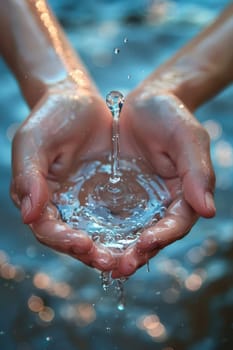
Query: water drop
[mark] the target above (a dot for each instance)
(105, 280)
(114, 101)
(121, 294)
(116, 51)
(128, 76)
(126, 40)
(120, 307)
(108, 329)
(114, 180)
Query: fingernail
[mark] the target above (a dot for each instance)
(26, 206)
(209, 201)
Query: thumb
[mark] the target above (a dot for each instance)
(29, 189)
(30, 192)
(191, 154)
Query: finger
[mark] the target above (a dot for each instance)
(180, 148)
(131, 260)
(52, 232)
(190, 151)
(29, 188)
(98, 257)
(179, 219)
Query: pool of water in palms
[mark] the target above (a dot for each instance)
(112, 213)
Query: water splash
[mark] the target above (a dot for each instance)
(107, 282)
(113, 214)
(113, 199)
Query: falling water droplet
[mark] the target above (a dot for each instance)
(125, 40)
(116, 50)
(106, 280)
(114, 101)
(121, 294)
(108, 329)
(121, 307)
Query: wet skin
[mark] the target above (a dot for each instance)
(68, 125)
(69, 121)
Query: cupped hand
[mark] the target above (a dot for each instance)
(67, 124)
(160, 129)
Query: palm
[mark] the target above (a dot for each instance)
(64, 128)
(48, 147)
(165, 134)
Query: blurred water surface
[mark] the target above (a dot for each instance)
(50, 301)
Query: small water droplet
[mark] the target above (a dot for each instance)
(126, 40)
(121, 307)
(148, 266)
(108, 329)
(128, 76)
(106, 280)
(114, 180)
(121, 294)
(116, 50)
(48, 338)
(114, 101)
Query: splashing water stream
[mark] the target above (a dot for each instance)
(112, 199)
(115, 102)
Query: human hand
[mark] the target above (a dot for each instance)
(65, 125)
(160, 129)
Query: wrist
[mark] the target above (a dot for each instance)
(76, 82)
(192, 81)
(198, 79)
(202, 68)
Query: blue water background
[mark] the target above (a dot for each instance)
(189, 289)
